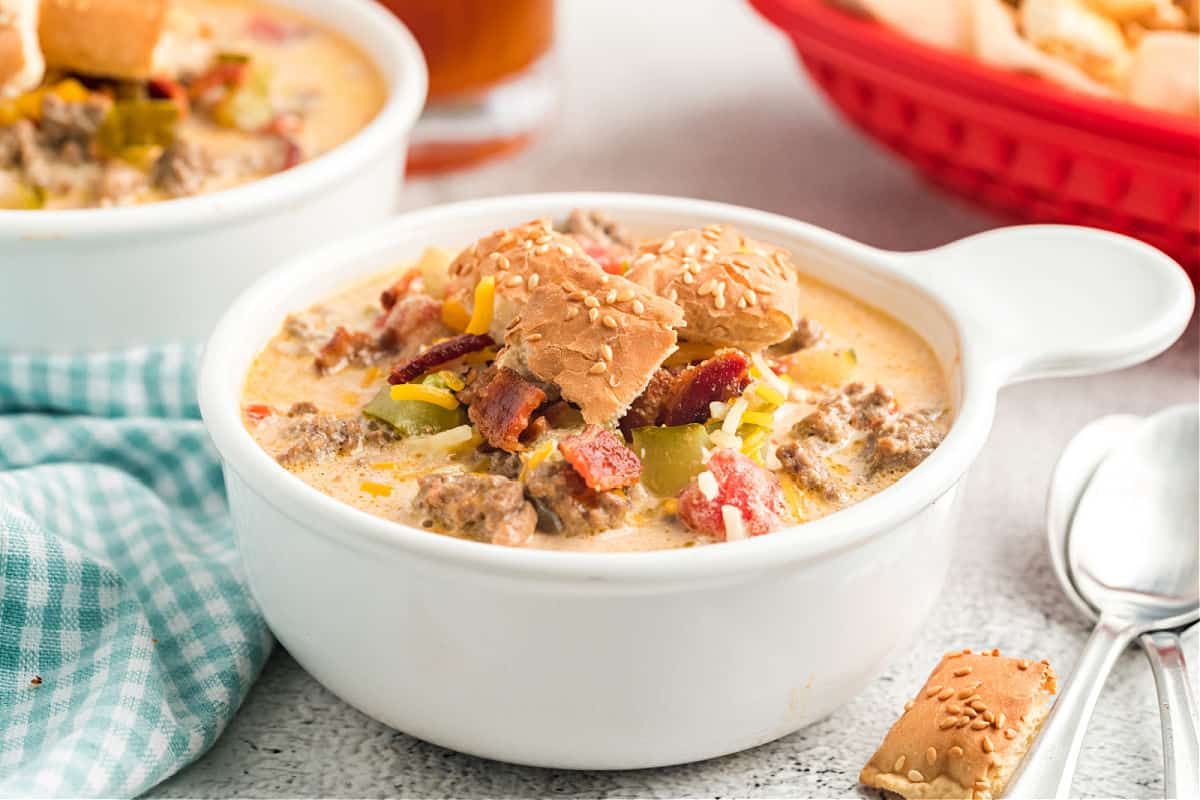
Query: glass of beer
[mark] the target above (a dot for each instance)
(492, 80)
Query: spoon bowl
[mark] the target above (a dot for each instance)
(1132, 548)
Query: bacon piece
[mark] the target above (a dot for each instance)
(503, 407)
(342, 348)
(413, 321)
(161, 86)
(741, 483)
(393, 293)
(226, 74)
(438, 354)
(651, 404)
(601, 459)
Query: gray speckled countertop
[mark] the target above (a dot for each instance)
(700, 97)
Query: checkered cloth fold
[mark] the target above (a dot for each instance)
(127, 636)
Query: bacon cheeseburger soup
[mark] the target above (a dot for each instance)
(566, 385)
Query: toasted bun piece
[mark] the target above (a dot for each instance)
(21, 63)
(966, 731)
(734, 291)
(520, 258)
(1164, 73)
(109, 38)
(598, 337)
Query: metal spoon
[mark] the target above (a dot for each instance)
(1177, 705)
(1132, 555)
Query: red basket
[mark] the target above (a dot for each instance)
(1013, 143)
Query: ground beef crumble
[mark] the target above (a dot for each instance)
(854, 407)
(566, 505)
(314, 437)
(810, 470)
(486, 507)
(600, 228)
(69, 129)
(904, 442)
(181, 169)
(808, 333)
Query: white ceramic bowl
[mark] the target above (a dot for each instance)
(100, 278)
(604, 661)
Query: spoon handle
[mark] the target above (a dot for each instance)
(1049, 766)
(1177, 703)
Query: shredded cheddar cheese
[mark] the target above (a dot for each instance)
(376, 489)
(537, 457)
(760, 418)
(455, 316)
(485, 300)
(452, 381)
(426, 394)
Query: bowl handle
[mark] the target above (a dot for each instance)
(1057, 300)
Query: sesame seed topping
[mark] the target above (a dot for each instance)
(953, 709)
(565, 249)
(604, 279)
(534, 279)
(708, 287)
(572, 312)
(543, 239)
(980, 724)
(966, 651)
(515, 280)
(979, 706)
(690, 250)
(741, 303)
(1010, 733)
(644, 258)
(673, 296)
(1000, 720)
(688, 278)
(931, 756)
(758, 251)
(750, 296)
(908, 705)
(639, 307)
(495, 256)
(504, 262)
(963, 722)
(989, 716)
(970, 712)
(915, 777)
(1022, 664)
(614, 381)
(624, 296)
(667, 247)
(995, 651)
(711, 234)
(591, 302)
(932, 690)
(956, 751)
(946, 694)
(542, 249)
(599, 368)
(533, 337)
(987, 745)
(610, 322)
(611, 297)
(959, 673)
(965, 693)
(947, 723)
(719, 301)
(526, 245)
(982, 784)
(606, 352)
(899, 765)
(593, 314)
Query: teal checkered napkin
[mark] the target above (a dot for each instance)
(127, 636)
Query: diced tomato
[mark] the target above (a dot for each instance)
(741, 483)
(285, 123)
(259, 411)
(601, 255)
(601, 459)
(293, 154)
(268, 29)
(170, 89)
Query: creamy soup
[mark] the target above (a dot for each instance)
(250, 90)
(746, 443)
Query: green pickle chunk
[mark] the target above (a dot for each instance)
(671, 456)
(413, 417)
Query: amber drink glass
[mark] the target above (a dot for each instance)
(492, 81)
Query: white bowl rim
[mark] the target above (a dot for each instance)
(408, 82)
(850, 527)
